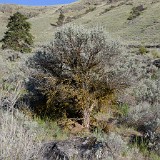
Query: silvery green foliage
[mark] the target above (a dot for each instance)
(144, 112)
(148, 97)
(117, 144)
(69, 37)
(118, 65)
(146, 90)
(18, 136)
(12, 78)
(115, 63)
(119, 148)
(92, 53)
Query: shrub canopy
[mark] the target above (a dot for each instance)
(72, 72)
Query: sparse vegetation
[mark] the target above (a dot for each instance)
(110, 7)
(90, 9)
(136, 11)
(60, 21)
(107, 9)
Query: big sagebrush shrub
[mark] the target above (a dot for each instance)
(75, 73)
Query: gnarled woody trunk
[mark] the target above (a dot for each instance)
(87, 114)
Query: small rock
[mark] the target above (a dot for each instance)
(157, 63)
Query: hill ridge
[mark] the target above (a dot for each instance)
(112, 15)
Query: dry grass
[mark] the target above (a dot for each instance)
(18, 134)
(18, 137)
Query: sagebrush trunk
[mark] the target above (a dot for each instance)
(87, 114)
(86, 120)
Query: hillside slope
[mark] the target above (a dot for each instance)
(112, 15)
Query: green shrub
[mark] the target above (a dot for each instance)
(17, 37)
(143, 50)
(107, 9)
(90, 9)
(136, 11)
(61, 19)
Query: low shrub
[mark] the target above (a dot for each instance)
(90, 9)
(107, 9)
(18, 136)
(155, 54)
(136, 11)
(143, 50)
